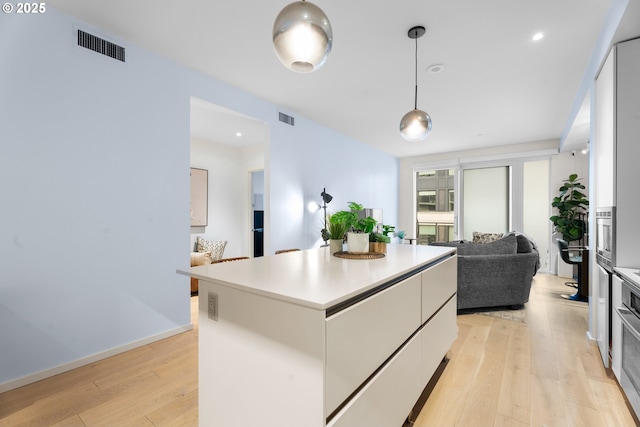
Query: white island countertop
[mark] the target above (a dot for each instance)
(314, 278)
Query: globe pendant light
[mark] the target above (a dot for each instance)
(302, 37)
(416, 124)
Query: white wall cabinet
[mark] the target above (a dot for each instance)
(616, 177)
(299, 341)
(616, 129)
(627, 153)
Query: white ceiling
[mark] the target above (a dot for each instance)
(497, 87)
(214, 123)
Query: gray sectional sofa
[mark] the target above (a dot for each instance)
(495, 274)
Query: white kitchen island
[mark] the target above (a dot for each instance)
(306, 339)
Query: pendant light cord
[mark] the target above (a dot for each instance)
(415, 107)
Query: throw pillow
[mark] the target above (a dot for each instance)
(486, 237)
(200, 258)
(216, 248)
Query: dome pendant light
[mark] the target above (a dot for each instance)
(302, 37)
(416, 124)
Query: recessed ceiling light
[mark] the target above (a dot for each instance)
(537, 36)
(238, 133)
(435, 68)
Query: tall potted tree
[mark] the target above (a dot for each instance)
(571, 204)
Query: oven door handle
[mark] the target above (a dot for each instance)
(630, 321)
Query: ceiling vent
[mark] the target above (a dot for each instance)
(285, 119)
(99, 45)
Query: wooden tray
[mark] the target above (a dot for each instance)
(365, 255)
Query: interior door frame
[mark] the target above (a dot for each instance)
(252, 208)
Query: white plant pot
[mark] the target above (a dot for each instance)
(335, 246)
(357, 242)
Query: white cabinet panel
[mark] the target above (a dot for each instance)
(604, 129)
(627, 153)
(437, 337)
(439, 283)
(601, 308)
(387, 399)
(261, 353)
(362, 337)
(616, 327)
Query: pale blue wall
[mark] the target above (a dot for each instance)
(308, 157)
(93, 155)
(94, 178)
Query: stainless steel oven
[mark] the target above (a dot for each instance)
(605, 237)
(629, 313)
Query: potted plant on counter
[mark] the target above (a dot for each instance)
(358, 228)
(337, 229)
(378, 241)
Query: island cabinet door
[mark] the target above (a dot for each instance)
(387, 399)
(362, 337)
(439, 283)
(437, 336)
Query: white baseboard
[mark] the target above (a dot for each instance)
(32, 378)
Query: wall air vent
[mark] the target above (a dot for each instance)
(99, 45)
(285, 119)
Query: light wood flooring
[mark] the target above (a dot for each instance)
(542, 373)
(501, 373)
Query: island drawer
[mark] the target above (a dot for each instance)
(360, 338)
(439, 283)
(390, 394)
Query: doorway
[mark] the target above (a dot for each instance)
(229, 145)
(257, 211)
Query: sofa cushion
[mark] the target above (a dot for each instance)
(215, 248)
(506, 246)
(200, 258)
(524, 244)
(486, 237)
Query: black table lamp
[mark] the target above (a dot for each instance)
(326, 198)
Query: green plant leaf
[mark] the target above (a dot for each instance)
(571, 205)
(355, 206)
